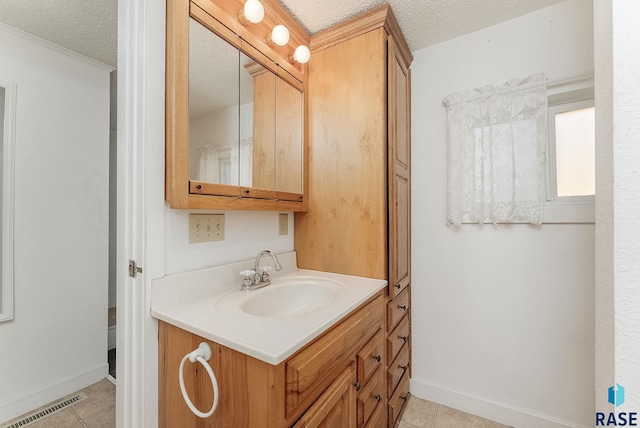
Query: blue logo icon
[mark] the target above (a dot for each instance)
(616, 395)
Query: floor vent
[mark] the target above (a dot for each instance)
(54, 408)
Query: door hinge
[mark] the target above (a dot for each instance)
(134, 269)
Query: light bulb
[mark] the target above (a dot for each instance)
(280, 35)
(302, 54)
(253, 11)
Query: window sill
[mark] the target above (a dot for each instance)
(571, 210)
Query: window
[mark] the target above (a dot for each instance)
(570, 160)
(496, 149)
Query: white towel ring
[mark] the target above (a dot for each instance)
(202, 355)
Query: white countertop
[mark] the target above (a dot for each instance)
(206, 302)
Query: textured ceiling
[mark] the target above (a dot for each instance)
(423, 22)
(89, 26)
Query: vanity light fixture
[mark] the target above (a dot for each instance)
(302, 54)
(279, 35)
(251, 13)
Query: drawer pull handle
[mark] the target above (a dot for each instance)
(404, 338)
(377, 397)
(357, 385)
(199, 186)
(398, 286)
(377, 358)
(403, 307)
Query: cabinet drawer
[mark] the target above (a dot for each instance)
(379, 419)
(397, 368)
(370, 358)
(397, 308)
(399, 287)
(397, 338)
(398, 400)
(371, 397)
(309, 372)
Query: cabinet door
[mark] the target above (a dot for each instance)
(336, 407)
(344, 230)
(399, 172)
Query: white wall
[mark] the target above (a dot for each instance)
(503, 324)
(57, 342)
(604, 297)
(626, 158)
(618, 303)
(246, 234)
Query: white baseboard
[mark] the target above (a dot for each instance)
(517, 418)
(51, 393)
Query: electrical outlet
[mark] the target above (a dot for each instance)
(206, 228)
(283, 224)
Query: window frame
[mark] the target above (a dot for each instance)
(574, 94)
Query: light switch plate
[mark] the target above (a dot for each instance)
(206, 228)
(283, 224)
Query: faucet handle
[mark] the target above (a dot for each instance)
(263, 272)
(248, 279)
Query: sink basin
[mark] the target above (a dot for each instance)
(286, 297)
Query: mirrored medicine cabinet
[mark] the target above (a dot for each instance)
(235, 119)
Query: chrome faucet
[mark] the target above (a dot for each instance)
(259, 277)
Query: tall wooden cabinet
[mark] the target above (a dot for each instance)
(358, 219)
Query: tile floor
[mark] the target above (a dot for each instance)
(425, 414)
(99, 411)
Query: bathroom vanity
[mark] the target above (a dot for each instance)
(279, 363)
(328, 379)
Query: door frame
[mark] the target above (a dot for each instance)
(140, 206)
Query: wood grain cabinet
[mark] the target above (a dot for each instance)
(335, 381)
(335, 407)
(359, 176)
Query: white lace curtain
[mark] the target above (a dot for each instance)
(496, 143)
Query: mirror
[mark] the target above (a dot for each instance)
(288, 147)
(245, 123)
(214, 121)
(7, 135)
